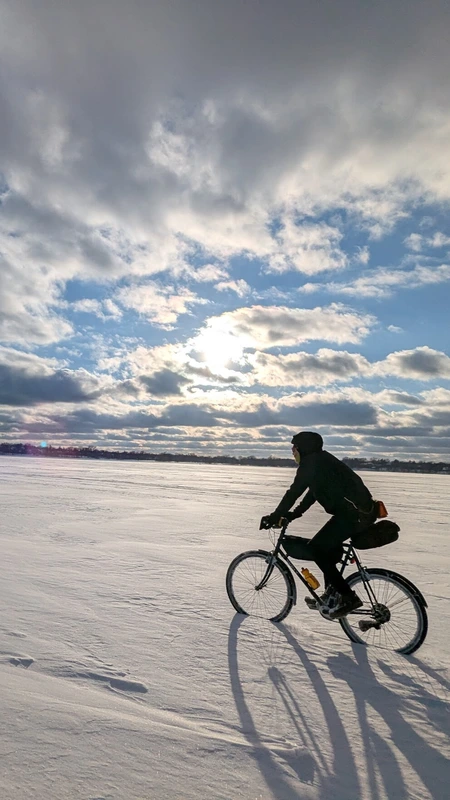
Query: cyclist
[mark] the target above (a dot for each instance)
(342, 494)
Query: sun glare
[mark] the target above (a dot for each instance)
(218, 349)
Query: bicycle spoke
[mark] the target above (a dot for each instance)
(400, 616)
(273, 600)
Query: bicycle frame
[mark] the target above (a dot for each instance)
(350, 557)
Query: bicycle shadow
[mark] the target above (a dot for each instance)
(390, 751)
(305, 763)
(270, 769)
(372, 698)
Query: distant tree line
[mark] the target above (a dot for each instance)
(48, 451)
(385, 465)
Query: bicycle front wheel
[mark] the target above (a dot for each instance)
(393, 615)
(274, 600)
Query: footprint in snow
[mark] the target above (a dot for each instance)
(128, 686)
(21, 661)
(118, 683)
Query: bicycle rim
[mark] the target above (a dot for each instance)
(406, 626)
(273, 601)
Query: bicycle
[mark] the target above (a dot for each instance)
(261, 583)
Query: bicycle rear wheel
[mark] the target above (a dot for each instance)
(398, 620)
(274, 600)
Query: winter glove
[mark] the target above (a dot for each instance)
(272, 520)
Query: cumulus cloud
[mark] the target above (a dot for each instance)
(392, 397)
(414, 242)
(27, 380)
(28, 298)
(264, 327)
(384, 281)
(104, 310)
(307, 414)
(418, 242)
(241, 423)
(163, 383)
(422, 364)
(162, 305)
(240, 287)
(362, 255)
(265, 134)
(307, 369)
(307, 248)
(208, 273)
(104, 182)
(439, 240)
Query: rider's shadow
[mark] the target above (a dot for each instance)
(427, 762)
(421, 680)
(307, 762)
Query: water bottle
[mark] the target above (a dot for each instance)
(310, 579)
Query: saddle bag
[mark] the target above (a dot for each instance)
(377, 535)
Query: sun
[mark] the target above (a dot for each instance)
(218, 349)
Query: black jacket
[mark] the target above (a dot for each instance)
(330, 482)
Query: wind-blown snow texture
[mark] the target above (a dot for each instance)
(125, 675)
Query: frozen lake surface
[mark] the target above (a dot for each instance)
(125, 675)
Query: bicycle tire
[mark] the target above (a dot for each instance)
(274, 601)
(382, 582)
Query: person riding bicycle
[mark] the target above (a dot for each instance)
(342, 493)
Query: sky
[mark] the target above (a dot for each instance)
(224, 222)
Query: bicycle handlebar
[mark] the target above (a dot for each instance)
(263, 526)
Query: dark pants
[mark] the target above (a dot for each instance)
(325, 548)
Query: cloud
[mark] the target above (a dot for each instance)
(264, 327)
(239, 286)
(437, 397)
(307, 248)
(307, 369)
(213, 377)
(163, 383)
(104, 310)
(104, 182)
(418, 242)
(327, 366)
(87, 306)
(308, 411)
(414, 242)
(162, 305)
(390, 396)
(384, 281)
(94, 422)
(209, 273)
(27, 380)
(439, 240)
(362, 255)
(272, 138)
(422, 364)
(28, 297)
(233, 422)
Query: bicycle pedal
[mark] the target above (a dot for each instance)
(366, 624)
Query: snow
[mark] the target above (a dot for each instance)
(125, 675)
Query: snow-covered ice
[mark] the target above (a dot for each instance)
(125, 675)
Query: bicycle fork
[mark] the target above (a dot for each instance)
(271, 563)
